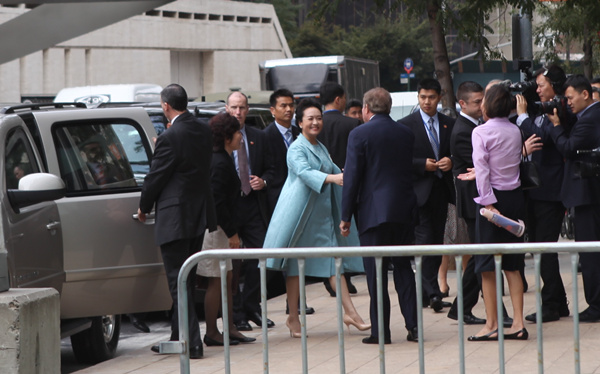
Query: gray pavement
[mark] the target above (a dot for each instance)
(441, 342)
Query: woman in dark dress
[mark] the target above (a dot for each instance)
(226, 188)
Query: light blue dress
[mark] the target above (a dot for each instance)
(308, 213)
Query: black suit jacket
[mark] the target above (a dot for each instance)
(423, 180)
(179, 181)
(278, 154)
(585, 135)
(378, 175)
(260, 164)
(461, 149)
(226, 190)
(334, 136)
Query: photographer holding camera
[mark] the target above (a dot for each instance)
(545, 211)
(582, 192)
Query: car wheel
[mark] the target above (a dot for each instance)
(99, 342)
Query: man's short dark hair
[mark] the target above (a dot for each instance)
(175, 96)
(282, 92)
(579, 83)
(378, 100)
(497, 102)
(429, 84)
(329, 91)
(595, 80)
(555, 75)
(466, 88)
(354, 102)
(305, 104)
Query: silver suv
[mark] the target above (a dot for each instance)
(71, 185)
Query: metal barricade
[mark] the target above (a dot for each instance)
(418, 251)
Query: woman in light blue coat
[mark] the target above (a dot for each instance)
(307, 214)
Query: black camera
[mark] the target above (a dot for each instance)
(547, 107)
(525, 86)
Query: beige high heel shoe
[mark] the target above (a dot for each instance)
(293, 334)
(360, 326)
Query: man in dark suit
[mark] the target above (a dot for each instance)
(178, 184)
(545, 210)
(582, 191)
(334, 136)
(432, 171)
(378, 192)
(254, 169)
(336, 126)
(280, 134)
(470, 96)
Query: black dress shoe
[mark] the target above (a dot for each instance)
(436, 304)
(257, 319)
(196, 352)
(245, 339)
(547, 316)
(507, 322)
(210, 342)
(243, 326)
(563, 310)
(351, 288)
(446, 304)
(468, 319)
(155, 349)
(140, 325)
(589, 316)
(327, 287)
(374, 340)
(309, 310)
(413, 335)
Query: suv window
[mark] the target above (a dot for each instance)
(101, 155)
(19, 158)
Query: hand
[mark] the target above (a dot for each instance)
(532, 144)
(445, 164)
(257, 183)
(141, 216)
(345, 228)
(430, 165)
(468, 176)
(234, 241)
(335, 178)
(493, 209)
(521, 105)
(554, 118)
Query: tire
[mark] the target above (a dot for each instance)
(99, 342)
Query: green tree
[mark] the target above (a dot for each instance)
(567, 23)
(466, 18)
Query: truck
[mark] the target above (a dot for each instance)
(70, 187)
(305, 75)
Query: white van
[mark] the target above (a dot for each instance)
(93, 96)
(403, 103)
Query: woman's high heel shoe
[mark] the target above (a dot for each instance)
(360, 326)
(293, 334)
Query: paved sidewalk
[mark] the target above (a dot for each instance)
(441, 343)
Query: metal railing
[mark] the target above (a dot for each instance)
(418, 251)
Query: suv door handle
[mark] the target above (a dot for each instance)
(54, 225)
(149, 218)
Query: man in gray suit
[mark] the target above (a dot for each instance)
(178, 184)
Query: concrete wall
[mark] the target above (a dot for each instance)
(30, 331)
(215, 44)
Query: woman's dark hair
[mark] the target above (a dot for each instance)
(497, 102)
(305, 104)
(223, 127)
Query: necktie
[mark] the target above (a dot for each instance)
(433, 139)
(243, 166)
(288, 137)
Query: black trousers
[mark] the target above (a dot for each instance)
(587, 222)
(404, 278)
(174, 255)
(544, 220)
(430, 230)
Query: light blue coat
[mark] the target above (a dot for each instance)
(308, 212)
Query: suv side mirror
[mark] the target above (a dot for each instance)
(36, 188)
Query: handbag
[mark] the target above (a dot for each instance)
(529, 175)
